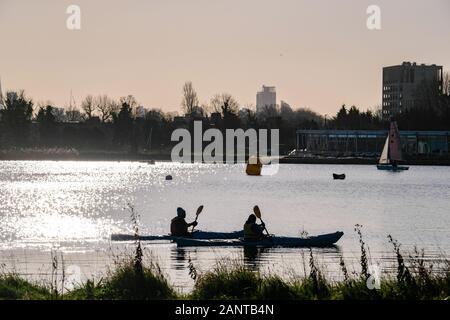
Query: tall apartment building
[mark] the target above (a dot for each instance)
(266, 97)
(404, 86)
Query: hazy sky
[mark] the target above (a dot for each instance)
(318, 54)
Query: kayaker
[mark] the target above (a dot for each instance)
(179, 226)
(252, 230)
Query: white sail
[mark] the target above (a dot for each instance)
(384, 159)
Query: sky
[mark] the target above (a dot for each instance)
(319, 54)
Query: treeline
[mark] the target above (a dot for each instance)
(103, 123)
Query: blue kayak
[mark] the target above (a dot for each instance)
(325, 240)
(201, 235)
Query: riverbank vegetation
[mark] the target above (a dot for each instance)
(415, 278)
(102, 123)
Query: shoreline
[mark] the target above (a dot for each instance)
(106, 156)
(63, 154)
(84, 156)
(360, 161)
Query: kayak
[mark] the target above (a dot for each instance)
(196, 235)
(325, 240)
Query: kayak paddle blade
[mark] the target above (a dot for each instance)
(257, 212)
(196, 216)
(199, 210)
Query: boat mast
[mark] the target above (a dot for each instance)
(72, 99)
(2, 104)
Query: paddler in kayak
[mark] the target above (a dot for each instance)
(252, 230)
(179, 226)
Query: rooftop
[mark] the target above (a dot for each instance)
(373, 132)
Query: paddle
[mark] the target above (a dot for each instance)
(258, 215)
(199, 210)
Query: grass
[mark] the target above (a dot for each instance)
(133, 279)
(225, 282)
(126, 283)
(12, 287)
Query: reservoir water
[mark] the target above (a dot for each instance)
(71, 208)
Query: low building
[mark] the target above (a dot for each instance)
(371, 142)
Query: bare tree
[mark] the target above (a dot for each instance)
(190, 99)
(105, 107)
(225, 104)
(206, 108)
(446, 83)
(87, 105)
(73, 114)
(115, 106)
(59, 114)
(130, 100)
(101, 106)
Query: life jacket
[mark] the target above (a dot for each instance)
(179, 227)
(249, 232)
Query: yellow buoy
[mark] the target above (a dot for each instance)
(254, 167)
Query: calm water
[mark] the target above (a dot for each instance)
(73, 207)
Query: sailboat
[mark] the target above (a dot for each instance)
(392, 152)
